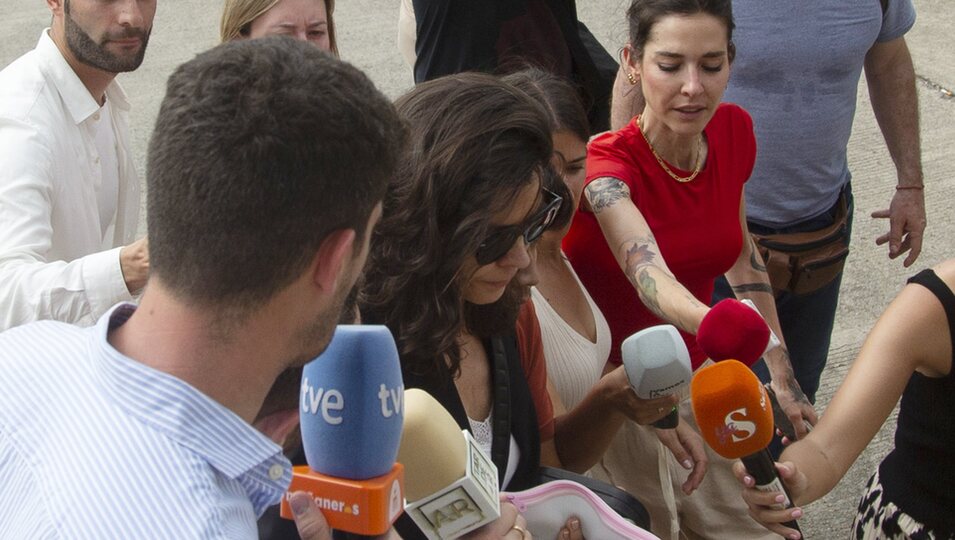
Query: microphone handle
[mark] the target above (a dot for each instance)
(669, 421)
(761, 467)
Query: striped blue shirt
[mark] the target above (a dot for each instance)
(96, 445)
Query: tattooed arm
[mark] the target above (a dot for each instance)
(749, 280)
(636, 250)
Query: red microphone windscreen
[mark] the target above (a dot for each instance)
(731, 329)
(732, 409)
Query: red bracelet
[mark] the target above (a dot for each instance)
(897, 188)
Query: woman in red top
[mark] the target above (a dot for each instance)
(666, 192)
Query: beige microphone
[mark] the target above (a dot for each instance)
(450, 483)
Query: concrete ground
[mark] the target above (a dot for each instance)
(366, 30)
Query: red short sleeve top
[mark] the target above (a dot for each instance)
(696, 224)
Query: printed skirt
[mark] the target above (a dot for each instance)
(883, 520)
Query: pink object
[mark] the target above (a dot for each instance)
(547, 508)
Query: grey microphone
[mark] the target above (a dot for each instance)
(658, 364)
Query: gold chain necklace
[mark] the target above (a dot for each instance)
(666, 168)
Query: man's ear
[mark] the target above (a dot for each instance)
(331, 259)
(56, 6)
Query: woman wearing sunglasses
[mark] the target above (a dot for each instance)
(455, 228)
(457, 222)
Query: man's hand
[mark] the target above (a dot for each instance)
(761, 503)
(686, 445)
(311, 523)
(134, 262)
(795, 404)
(309, 519)
(790, 396)
(906, 216)
(617, 390)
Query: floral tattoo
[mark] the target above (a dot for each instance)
(604, 192)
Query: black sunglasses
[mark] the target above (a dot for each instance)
(499, 242)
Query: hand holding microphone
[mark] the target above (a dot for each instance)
(764, 505)
(736, 420)
(734, 329)
(351, 414)
(658, 364)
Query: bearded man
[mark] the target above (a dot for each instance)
(69, 192)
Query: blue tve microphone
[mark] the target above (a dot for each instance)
(352, 410)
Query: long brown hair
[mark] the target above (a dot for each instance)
(476, 142)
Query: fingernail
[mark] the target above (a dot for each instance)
(299, 503)
(575, 524)
(794, 536)
(780, 498)
(687, 464)
(749, 480)
(797, 513)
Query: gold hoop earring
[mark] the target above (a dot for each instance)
(631, 78)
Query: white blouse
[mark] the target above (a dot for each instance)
(574, 363)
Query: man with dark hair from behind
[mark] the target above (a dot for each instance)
(265, 174)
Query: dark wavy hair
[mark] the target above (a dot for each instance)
(565, 113)
(475, 143)
(643, 14)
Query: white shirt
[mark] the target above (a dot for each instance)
(574, 363)
(107, 188)
(96, 445)
(56, 262)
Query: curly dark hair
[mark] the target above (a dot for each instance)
(476, 142)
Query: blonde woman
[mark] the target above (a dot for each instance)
(306, 20)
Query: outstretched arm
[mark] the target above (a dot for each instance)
(749, 280)
(911, 335)
(635, 248)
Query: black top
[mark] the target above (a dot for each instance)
(502, 36)
(918, 476)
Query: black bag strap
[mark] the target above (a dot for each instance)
(501, 429)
